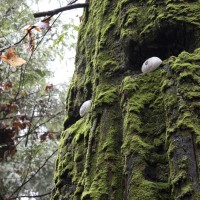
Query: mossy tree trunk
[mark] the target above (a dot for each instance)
(141, 138)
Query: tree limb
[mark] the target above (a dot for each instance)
(56, 11)
(35, 196)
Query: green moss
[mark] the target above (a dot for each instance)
(100, 168)
(109, 67)
(185, 68)
(148, 190)
(181, 99)
(132, 123)
(165, 85)
(71, 160)
(182, 12)
(106, 95)
(142, 110)
(104, 35)
(132, 16)
(136, 145)
(186, 191)
(179, 178)
(129, 84)
(125, 2)
(134, 117)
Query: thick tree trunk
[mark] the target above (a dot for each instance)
(141, 138)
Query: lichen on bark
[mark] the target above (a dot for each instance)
(141, 138)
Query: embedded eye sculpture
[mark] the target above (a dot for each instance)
(85, 107)
(151, 64)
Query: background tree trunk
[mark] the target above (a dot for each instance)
(141, 138)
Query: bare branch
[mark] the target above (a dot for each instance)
(29, 128)
(35, 196)
(17, 43)
(72, 2)
(25, 182)
(21, 82)
(58, 10)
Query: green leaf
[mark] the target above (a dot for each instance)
(60, 39)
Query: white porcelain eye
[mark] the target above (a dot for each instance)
(151, 64)
(85, 107)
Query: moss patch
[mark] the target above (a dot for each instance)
(141, 137)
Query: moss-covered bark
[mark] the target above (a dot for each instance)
(141, 138)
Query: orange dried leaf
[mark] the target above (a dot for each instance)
(7, 85)
(46, 20)
(37, 29)
(28, 27)
(51, 135)
(17, 124)
(49, 87)
(13, 106)
(31, 44)
(12, 58)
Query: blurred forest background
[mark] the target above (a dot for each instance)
(32, 100)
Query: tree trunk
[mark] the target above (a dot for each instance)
(141, 137)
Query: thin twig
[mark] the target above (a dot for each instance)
(72, 2)
(43, 123)
(35, 196)
(39, 125)
(25, 182)
(5, 37)
(29, 128)
(21, 82)
(58, 10)
(17, 43)
(28, 168)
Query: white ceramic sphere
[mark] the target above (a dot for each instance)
(151, 64)
(85, 107)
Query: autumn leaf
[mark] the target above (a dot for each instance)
(51, 135)
(46, 19)
(43, 137)
(49, 87)
(8, 85)
(17, 125)
(8, 108)
(31, 36)
(43, 24)
(28, 28)
(12, 58)
(31, 44)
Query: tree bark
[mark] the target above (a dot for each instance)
(141, 138)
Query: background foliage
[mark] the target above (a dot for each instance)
(31, 109)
